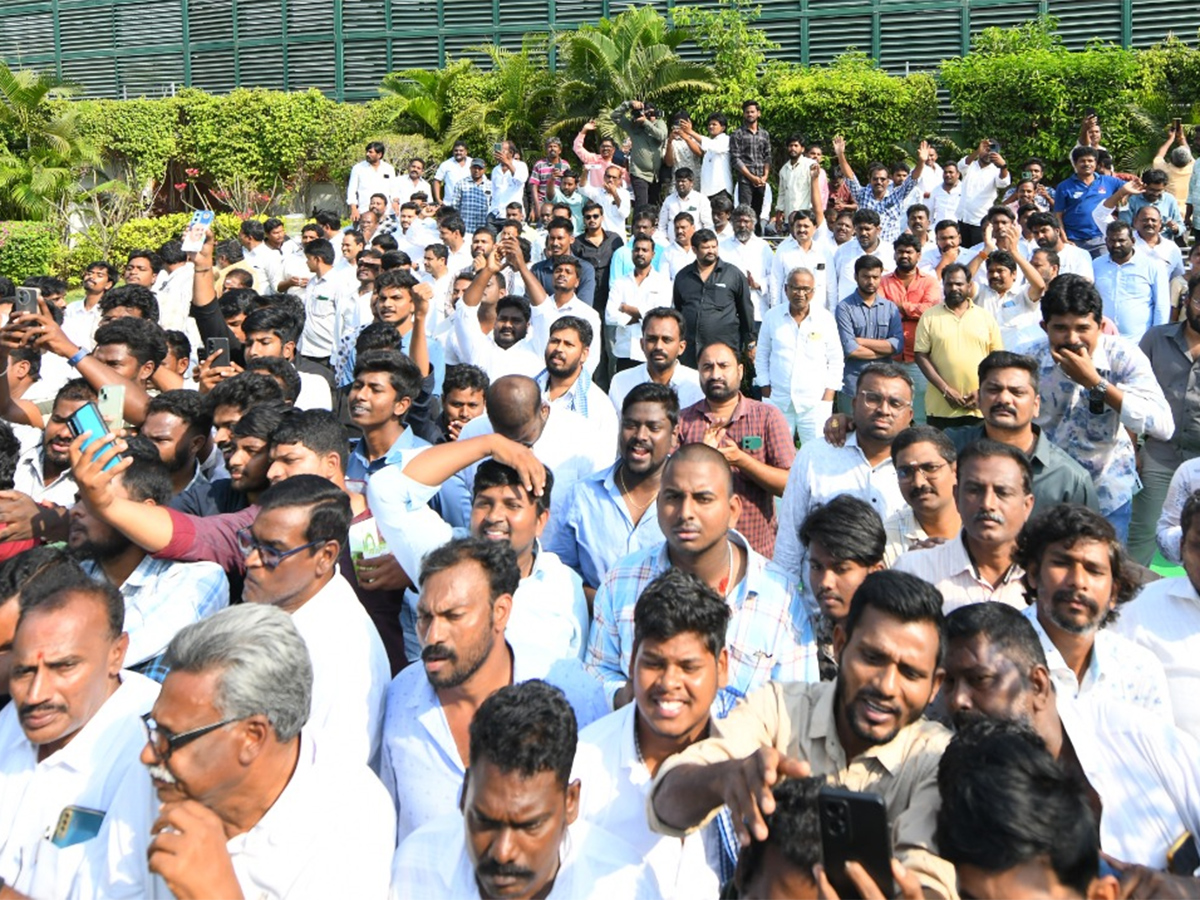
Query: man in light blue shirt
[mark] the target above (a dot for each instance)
(1133, 285)
(1155, 193)
(868, 324)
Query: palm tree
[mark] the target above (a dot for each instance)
(428, 94)
(630, 57)
(44, 153)
(520, 90)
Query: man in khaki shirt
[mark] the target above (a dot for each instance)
(864, 732)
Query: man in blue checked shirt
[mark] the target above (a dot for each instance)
(880, 194)
(769, 635)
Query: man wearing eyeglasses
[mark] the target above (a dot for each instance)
(994, 495)
(861, 466)
(613, 198)
(71, 732)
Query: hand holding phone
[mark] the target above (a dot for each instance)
(28, 301)
(88, 419)
(854, 828)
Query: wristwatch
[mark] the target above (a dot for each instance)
(1098, 392)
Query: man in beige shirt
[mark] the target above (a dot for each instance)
(864, 732)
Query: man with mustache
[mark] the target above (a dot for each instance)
(994, 496)
(866, 731)
(517, 831)
(71, 732)
(926, 464)
(467, 601)
(566, 381)
(1077, 576)
(1140, 772)
(508, 349)
(662, 344)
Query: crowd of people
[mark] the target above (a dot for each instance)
(568, 527)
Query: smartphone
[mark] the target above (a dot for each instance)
(27, 301)
(752, 442)
(994, 146)
(214, 347)
(88, 418)
(112, 405)
(76, 824)
(1176, 123)
(1090, 112)
(854, 828)
(497, 148)
(193, 235)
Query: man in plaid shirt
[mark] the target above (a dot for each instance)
(753, 437)
(545, 174)
(750, 159)
(769, 635)
(472, 197)
(880, 194)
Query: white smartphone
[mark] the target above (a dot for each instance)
(112, 405)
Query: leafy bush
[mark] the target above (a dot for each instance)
(27, 248)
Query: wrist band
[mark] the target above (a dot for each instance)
(74, 360)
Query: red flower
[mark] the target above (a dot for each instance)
(179, 186)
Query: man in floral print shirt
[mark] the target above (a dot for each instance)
(1099, 395)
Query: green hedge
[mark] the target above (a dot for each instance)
(27, 249)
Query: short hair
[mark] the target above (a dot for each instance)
(517, 302)
(793, 829)
(906, 240)
(109, 269)
(703, 236)
(566, 259)
(1081, 151)
(149, 255)
(497, 559)
(1006, 359)
(743, 210)
(253, 229)
(925, 434)
(867, 263)
(328, 506)
(677, 602)
(901, 596)
(848, 528)
(526, 728)
(888, 370)
(561, 223)
(453, 222)
(238, 302)
(1052, 256)
(698, 452)
(1154, 176)
(386, 243)
(57, 584)
(1002, 258)
(722, 202)
(262, 663)
(865, 217)
(187, 406)
(147, 478)
(403, 373)
(945, 224)
(684, 217)
(719, 118)
(144, 339)
(377, 336)
(1112, 228)
(131, 296)
(321, 249)
(282, 371)
(492, 474)
(666, 312)
(244, 391)
(395, 278)
(26, 572)
(1006, 802)
(261, 420)
(1041, 220)
(439, 250)
(576, 324)
(1005, 628)
(916, 208)
(683, 172)
(10, 454)
(956, 268)
(171, 253)
(1071, 295)
(1191, 507)
(274, 319)
(1068, 523)
(315, 429)
(465, 377)
(77, 390)
(652, 392)
(232, 251)
(327, 219)
(985, 448)
(177, 344)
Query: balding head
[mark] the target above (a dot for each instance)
(515, 408)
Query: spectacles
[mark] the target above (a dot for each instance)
(929, 469)
(875, 400)
(593, 216)
(270, 557)
(799, 289)
(157, 737)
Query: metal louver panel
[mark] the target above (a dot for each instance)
(1149, 18)
(831, 36)
(28, 38)
(918, 40)
(1081, 23)
(312, 65)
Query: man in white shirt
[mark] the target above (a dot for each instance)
(1141, 770)
(81, 318)
(369, 176)
(249, 802)
(613, 198)
(1047, 233)
(866, 242)
(546, 309)
(451, 172)
(71, 731)
(800, 359)
(687, 200)
(323, 294)
(291, 552)
(521, 744)
(984, 172)
(566, 384)
(944, 199)
(1148, 239)
(1079, 575)
(752, 255)
(715, 174)
(631, 297)
(994, 495)
(680, 253)
(414, 183)
(507, 349)
(679, 666)
(803, 250)
(1166, 621)
(798, 180)
(662, 344)
(862, 467)
(467, 597)
(174, 290)
(508, 179)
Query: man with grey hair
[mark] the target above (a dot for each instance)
(248, 802)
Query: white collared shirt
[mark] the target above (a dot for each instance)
(350, 672)
(405, 187)
(174, 295)
(79, 323)
(1146, 771)
(322, 296)
(1118, 669)
(422, 768)
(943, 204)
(615, 212)
(654, 291)
(715, 175)
(673, 258)
(980, 183)
(450, 173)
(817, 259)
(548, 312)
(795, 185)
(756, 259)
(1164, 618)
(85, 772)
(799, 362)
(367, 179)
(848, 254)
(684, 379)
(819, 473)
(1019, 318)
(433, 862)
(29, 479)
(508, 187)
(481, 350)
(615, 785)
(949, 568)
(695, 204)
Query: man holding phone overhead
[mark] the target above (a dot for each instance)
(865, 732)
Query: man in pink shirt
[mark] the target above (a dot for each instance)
(595, 164)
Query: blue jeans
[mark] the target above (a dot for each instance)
(1119, 520)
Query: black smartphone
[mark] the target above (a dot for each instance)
(88, 418)
(214, 347)
(1176, 124)
(854, 828)
(27, 301)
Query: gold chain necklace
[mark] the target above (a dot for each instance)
(628, 496)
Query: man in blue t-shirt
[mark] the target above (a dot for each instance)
(1075, 198)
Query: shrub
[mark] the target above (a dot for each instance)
(27, 248)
